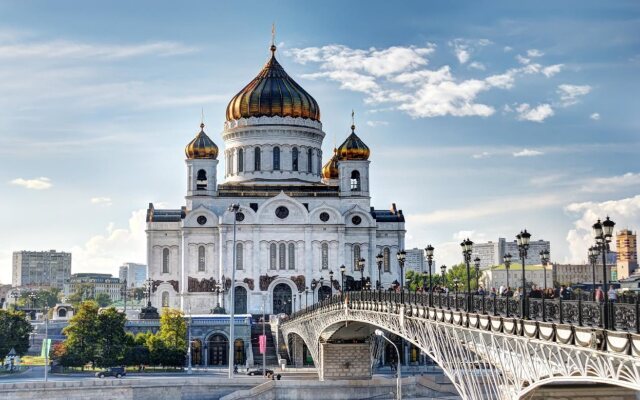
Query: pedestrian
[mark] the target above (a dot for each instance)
(613, 295)
(599, 294)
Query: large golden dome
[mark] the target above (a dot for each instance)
(353, 148)
(201, 146)
(330, 169)
(273, 93)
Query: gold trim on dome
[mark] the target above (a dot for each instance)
(201, 147)
(330, 169)
(273, 93)
(353, 148)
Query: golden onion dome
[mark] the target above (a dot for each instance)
(273, 93)
(353, 148)
(201, 146)
(330, 169)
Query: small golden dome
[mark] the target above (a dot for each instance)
(201, 146)
(353, 148)
(273, 93)
(330, 169)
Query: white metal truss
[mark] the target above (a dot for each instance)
(481, 364)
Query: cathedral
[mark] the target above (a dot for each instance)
(299, 220)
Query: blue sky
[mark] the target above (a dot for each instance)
(483, 118)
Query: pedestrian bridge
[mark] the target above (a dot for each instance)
(488, 352)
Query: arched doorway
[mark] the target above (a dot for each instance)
(218, 346)
(324, 292)
(282, 299)
(62, 312)
(238, 350)
(240, 302)
(196, 352)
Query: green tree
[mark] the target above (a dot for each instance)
(82, 335)
(14, 332)
(112, 341)
(84, 291)
(173, 329)
(103, 299)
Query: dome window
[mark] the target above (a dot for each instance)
(355, 181)
(201, 180)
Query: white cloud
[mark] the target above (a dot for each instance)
(484, 154)
(507, 49)
(570, 94)
(35, 184)
(625, 212)
(502, 81)
(612, 183)
(477, 65)
(523, 60)
(107, 251)
(551, 70)
(534, 53)
(595, 116)
(527, 153)
(102, 200)
(67, 50)
(373, 124)
(535, 114)
(463, 48)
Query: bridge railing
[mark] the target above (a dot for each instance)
(624, 315)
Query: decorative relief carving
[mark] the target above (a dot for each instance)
(249, 283)
(299, 281)
(265, 281)
(202, 285)
(173, 283)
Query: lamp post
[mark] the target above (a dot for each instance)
(46, 344)
(476, 264)
(507, 265)
(523, 246)
(379, 261)
(15, 295)
(233, 208)
(331, 282)
(32, 299)
(593, 258)
(467, 247)
(321, 287)
(189, 337)
(544, 259)
(603, 231)
(264, 337)
(428, 251)
(361, 263)
(455, 291)
(342, 270)
(123, 293)
(443, 272)
(306, 297)
(399, 378)
(401, 257)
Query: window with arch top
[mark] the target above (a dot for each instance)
(201, 180)
(355, 181)
(294, 159)
(356, 257)
(256, 158)
(272, 256)
(309, 160)
(240, 160)
(386, 259)
(282, 256)
(276, 158)
(165, 299)
(325, 256)
(165, 261)
(201, 259)
(239, 256)
(292, 256)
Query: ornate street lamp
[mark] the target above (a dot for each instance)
(379, 260)
(544, 259)
(603, 232)
(306, 297)
(593, 259)
(123, 294)
(233, 208)
(428, 251)
(507, 265)
(401, 257)
(331, 282)
(443, 271)
(523, 246)
(342, 270)
(361, 263)
(476, 264)
(467, 247)
(455, 288)
(320, 288)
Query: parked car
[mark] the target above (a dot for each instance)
(258, 372)
(118, 372)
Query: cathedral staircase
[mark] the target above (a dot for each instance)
(256, 331)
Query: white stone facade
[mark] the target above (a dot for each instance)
(292, 224)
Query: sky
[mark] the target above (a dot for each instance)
(483, 118)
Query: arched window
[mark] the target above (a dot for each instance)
(201, 180)
(276, 158)
(325, 256)
(294, 159)
(201, 259)
(272, 256)
(165, 261)
(165, 299)
(227, 163)
(386, 259)
(282, 257)
(355, 181)
(356, 256)
(309, 160)
(256, 159)
(240, 160)
(239, 256)
(292, 256)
